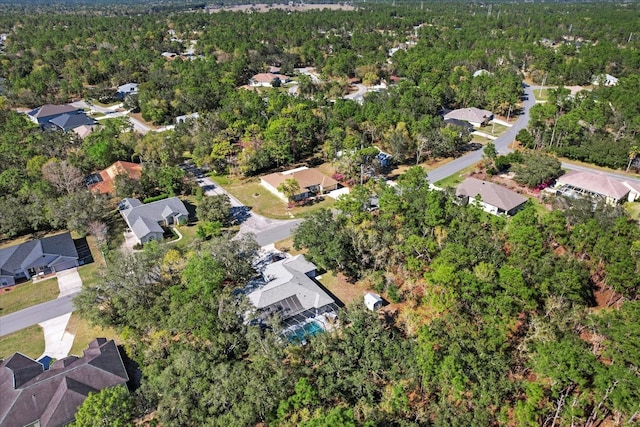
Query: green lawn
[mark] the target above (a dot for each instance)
(28, 341)
(541, 94)
(249, 192)
(494, 129)
(84, 333)
(90, 273)
(28, 294)
(633, 209)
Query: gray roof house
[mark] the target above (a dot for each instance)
(127, 89)
(473, 115)
(492, 198)
(37, 257)
(146, 220)
(42, 115)
(32, 396)
(290, 291)
(69, 121)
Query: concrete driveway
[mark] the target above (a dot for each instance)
(69, 282)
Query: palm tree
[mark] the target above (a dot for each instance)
(289, 188)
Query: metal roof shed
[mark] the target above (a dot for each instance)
(373, 301)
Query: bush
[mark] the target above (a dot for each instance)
(155, 198)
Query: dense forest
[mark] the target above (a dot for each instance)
(527, 321)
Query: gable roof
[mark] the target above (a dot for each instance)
(490, 193)
(108, 175)
(19, 256)
(53, 396)
(473, 114)
(306, 178)
(128, 88)
(84, 130)
(289, 290)
(596, 183)
(132, 210)
(69, 121)
(49, 110)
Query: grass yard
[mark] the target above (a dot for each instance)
(84, 333)
(494, 129)
(28, 341)
(249, 192)
(28, 294)
(541, 94)
(633, 210)
(480, 139)
(90, 273)
(286, 245)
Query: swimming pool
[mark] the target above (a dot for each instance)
(299, 335)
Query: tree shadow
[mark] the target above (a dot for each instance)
(240, 213)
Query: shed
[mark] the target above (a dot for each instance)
(373, 301)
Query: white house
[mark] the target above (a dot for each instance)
(493, 198)
(473, 115)
(373, 301)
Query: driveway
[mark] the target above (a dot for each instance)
(267, 230)
(69, 282)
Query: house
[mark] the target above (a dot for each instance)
(604, 79)
(146, 220)
(37, 257)
(42, 115)
(266, 79)
(84, 130)
(597, 185)
(127, 89)
(32, 396)
(492, 198)
(311, 182)
(103, 182)
(460, 123)
(69, 121)
(289, 290)
(373, 301)
(473, 115)
(183, 119)
(482, 72)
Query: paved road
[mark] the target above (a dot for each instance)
(38, 313)
(502, 143)
(267, 230)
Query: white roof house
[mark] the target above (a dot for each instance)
(605, 79)
(598, 185)
(290, 291)
(473, 115)
(146, 220)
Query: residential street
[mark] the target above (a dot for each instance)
(38, 313)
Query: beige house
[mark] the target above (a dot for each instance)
(491, 197)
(311, 182)
(597, 185)
(473, 115)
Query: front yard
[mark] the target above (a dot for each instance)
(15, 298)
(250, 193)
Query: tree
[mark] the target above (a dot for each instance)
(536, 169)
(215, 209)
(110, 407)
(290, 188)
(62, 175)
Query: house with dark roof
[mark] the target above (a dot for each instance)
(42, 115)
(598, 186)
(37, 257)
(473, 115)
(69, 121)
(491, 197)
(146, 220)
(288, 290)
(32, 396)
(103, 182)
(311, 182)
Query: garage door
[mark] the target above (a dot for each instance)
(64, 265)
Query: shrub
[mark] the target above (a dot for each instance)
(155, 198)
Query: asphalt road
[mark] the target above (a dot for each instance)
(38, 313)
(502, 143)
